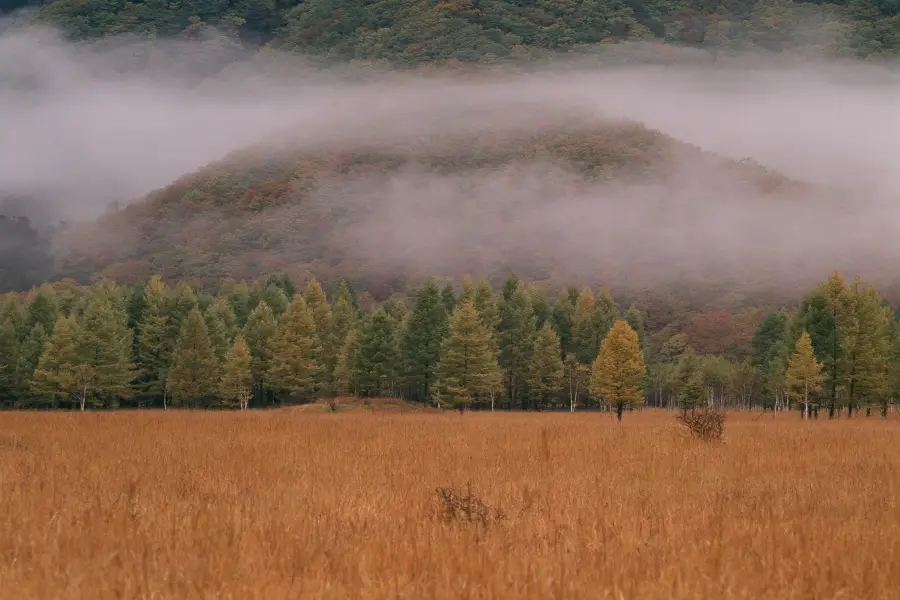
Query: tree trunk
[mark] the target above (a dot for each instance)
(619, 408)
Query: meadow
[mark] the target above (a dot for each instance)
(300, 504)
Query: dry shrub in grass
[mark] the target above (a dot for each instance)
(707, 424)
(457, 506)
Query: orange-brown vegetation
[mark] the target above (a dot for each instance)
(285, 504)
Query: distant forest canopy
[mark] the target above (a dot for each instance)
(425, 31)
(453, 345)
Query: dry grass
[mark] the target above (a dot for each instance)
(287, 504)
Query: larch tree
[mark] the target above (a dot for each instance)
(468, 367)
(378, 359)
(238, 296)
(11, 325)
(317, 302)
(53, 377)
(346, 375)
(105, 345)
(42, 309)
(864, 329)
(546, 372)
(819, 315)
(237, 375)
(485, 302)
(154, 340)
(617, 374)
(296, 354)
(259, 333)
(422, 338)
(804, 373)
(222, 326)
(29, 355)
(539, 305)
(448, 297)
(194, 377)
(561, 318)
(517, 333)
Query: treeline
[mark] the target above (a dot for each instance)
(155, 345)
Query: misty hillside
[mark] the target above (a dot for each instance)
(611, 203)
(423, 31)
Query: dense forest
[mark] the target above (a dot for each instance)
(425, 31)
(156, 345)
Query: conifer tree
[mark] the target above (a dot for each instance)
(635, 320)
(343, 322)
(468, 366)
(379, 356)
(617, 373)
(194, 377)
(296, 352)
(273, 295)
(54, 375)
(11, 324)
(154, 341)
(517, 333)
(222, 327)
(346, 373)
(546, 372)
(689, 378)
(561, 318)
(423, 336)
(467, 291)
(585, 343)
(29, 355)
(105, 344)
(539, 305)
(237, 376)
(864, 327)
(485, 302)
(183, 300)
(259, 333)
(239, 300)
(449, 298)
(42, 309)
(819, 315)
(804, 373)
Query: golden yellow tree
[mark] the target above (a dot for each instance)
(804, 373)
(618, 371)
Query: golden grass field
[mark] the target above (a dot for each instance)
(299, 504)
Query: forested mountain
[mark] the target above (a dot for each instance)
(558, 202)
(420, 31)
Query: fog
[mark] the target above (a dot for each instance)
(84, 126)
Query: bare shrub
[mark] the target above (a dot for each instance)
(466, 507)
(707, 424)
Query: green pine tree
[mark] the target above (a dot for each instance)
(42, 309)
(29, 355)
(864, 330)
(11, 325)
(539, 305)
(562, 318)
(237, 375)
(635, 320)
(449, 298)
(296, 353)
(378, 359)
(53, 377)
(423, 335)
(238, 296)
(346, 372)
(154, 341)
(517, 333)
(545, 374)
(194, 376)
(317, 303)
(222, 326)
(259, 333)
(105, 345)
(468, 366)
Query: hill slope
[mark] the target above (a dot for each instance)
(611, 203)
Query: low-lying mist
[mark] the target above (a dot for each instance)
(87, 125)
